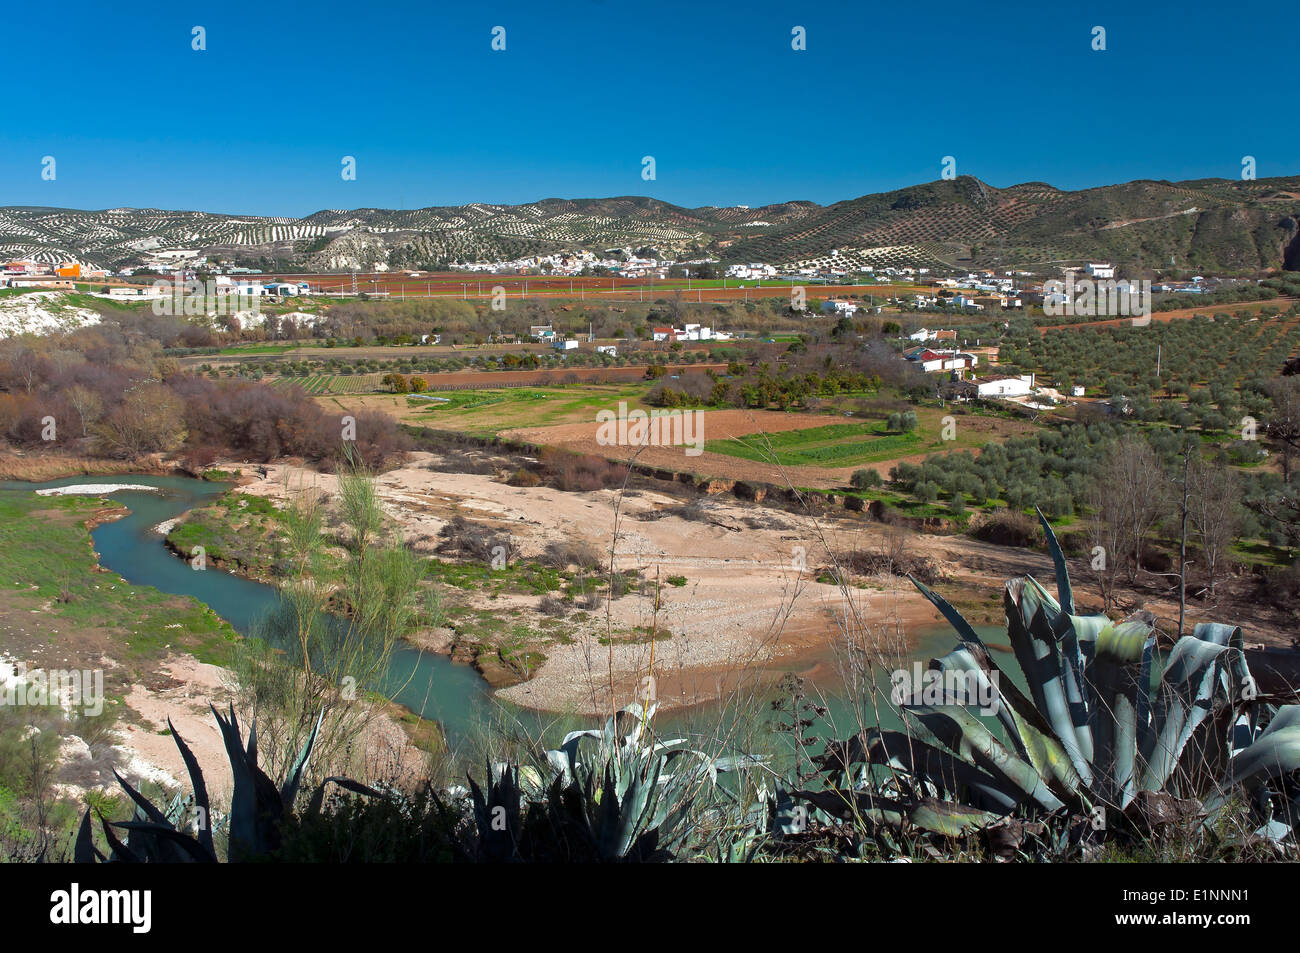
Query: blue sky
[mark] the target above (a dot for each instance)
(258, 123)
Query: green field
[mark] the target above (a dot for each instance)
(835, 445)
(847, 444)
(486, 412)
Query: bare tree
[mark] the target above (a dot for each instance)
(1214, 512)
(1106, 536)
(1133, 476)
(1284, 420)
(86, 403)
(150, 419)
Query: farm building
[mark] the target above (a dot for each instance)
(932, 361)
(925, 334)
(609, 349)
(41, 281)
(1004, 385)
(565, 345)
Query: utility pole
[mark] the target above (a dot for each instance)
(1182, 543)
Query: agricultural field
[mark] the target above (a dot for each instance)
(488, 412)
(854, 444)
(1203, 372)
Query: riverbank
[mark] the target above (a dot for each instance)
(163, 657)
(728, 588)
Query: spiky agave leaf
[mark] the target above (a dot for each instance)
(200, 789)
(1107, 721)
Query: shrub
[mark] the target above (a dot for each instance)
(864, 479)
(1009, 528)
(524, 477)
(561, 554)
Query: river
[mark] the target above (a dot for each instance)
(432, 686)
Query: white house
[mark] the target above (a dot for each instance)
(840, 307)
(932, 361)
(609, 349)
(1004, 385)
(1101, 270)
(565, 345)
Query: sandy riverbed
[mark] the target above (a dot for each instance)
(750, 598)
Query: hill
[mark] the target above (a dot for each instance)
(1215, 225)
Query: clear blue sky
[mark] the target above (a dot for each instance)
(258, 123)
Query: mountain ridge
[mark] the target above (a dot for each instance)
(1212, 224)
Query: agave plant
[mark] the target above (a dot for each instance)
(617, 794)
(257, 808)
(1113, 731)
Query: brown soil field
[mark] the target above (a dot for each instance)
(486, 380)
(470, 380)
(725, 424)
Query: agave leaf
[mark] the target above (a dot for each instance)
(117, 850)
(356, 787)
(1236, 674)
(142, 802)
(1185, 698)
(1288, 716)
(85, 851)
(949, 819)
(924, 761)
(194, 851)
(842, 805)
(607, 817)
(1078, 642)
(1271, 756)
(968, 738)
(199, 787)
(964, 629)
(1064, 591)
(289, 790)
(244, 824)
(1117, 677)
(252, 743)
(1030, 611)
(1023, 725)
(255, 804)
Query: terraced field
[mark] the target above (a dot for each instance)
(853, 444)
(488, 412)
(835, 445)
(334, 383)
